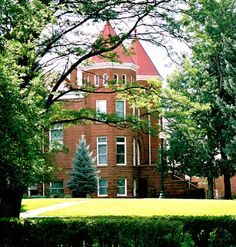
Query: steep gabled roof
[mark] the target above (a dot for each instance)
(121, 52)
(141, 58)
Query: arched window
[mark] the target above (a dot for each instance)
(104, 79)
(116, 78)
(124, 78)
(96, 80)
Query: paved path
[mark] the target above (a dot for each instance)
(36, 212)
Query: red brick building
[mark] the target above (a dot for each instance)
(126, 159)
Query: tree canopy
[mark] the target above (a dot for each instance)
(207, 77)
(41, 43)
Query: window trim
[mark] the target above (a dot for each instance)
(100, 111)
(60, 188)
(96, 80)
(104, 79)
(125, 186)
(134, 151)
(124, 164)
(116, 79)
(57, 141)
(134, 188)
(124, 107)
(124, 79)
(102, 143)
(87, 79)
(98, 191)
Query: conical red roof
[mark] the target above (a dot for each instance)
(120, 50)
(141, 58)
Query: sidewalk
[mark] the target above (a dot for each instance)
(36, 212)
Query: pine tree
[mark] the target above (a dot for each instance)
(84, 175)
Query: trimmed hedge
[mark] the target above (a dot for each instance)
(119, 231)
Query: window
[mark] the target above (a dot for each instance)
(56, 135)
(121, 187)
(124, 78)
(135, 188)
(134, 151)
(104, 79)
(120, 108)
(96, 80)
(103, 187)
(87, 79)
(138, 154)
(116, 78)
(138, 112)
(102, 150)
(101, 106)
(57, 187)
(120, 151)
(132, 78)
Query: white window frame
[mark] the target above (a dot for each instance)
(124, 108)
(138, 112)
(125, 187)
(98, 144)
(121, 143)
(132, 79)
(57, 188)
(102, 195)
(56, 127)
(124, 79)
(138, 154)
(96, 80)
(101, 106)
(104, 79)
(116, 78)
(134, 151)
(135, 188)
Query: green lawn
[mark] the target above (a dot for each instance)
(30, 204)
(140, 207)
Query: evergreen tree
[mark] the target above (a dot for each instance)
(84, 175)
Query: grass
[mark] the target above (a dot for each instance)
(30, 204)
(139, 207)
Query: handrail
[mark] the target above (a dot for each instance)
(186, 181)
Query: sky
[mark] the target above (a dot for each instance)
(160, 58)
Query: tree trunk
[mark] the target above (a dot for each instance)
(10, 203)
(210, 192)
(227, 185)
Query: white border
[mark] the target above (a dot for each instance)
(106, 65)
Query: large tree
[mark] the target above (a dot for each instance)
(41, 43)
(210, 79)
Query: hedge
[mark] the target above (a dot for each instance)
(119, 231)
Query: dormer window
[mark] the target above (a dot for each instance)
(116, 78)
(104, 79)
(124, 79)
(96, 80)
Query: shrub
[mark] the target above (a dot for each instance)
(119, 232)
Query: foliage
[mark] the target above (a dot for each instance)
(119, 231)
(41, 43)
(206, 77)
(83, 175)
